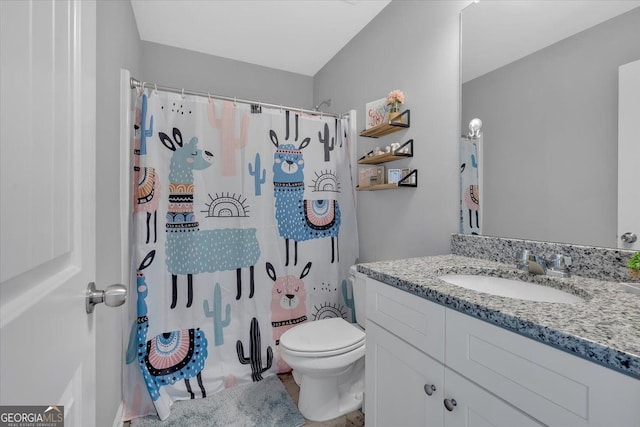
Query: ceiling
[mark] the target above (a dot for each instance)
(299, 36)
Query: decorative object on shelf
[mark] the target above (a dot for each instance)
(373, 178)
(634, 266)
(402, 120)
(371, 175)
(376, 113)
(394, 99)
(408, 181)
(393, 176)
(378, 155)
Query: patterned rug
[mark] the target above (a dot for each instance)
(265, 403)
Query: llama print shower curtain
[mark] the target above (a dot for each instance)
(243, 227)
(469, 187)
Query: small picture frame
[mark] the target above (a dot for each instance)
(394, 176)
(412, 178)
(370, 175)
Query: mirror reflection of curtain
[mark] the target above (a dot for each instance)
(469, 186)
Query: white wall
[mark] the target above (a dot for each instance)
(175, 67)
(117, 46)
(413, 46)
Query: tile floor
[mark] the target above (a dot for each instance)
(352, 419)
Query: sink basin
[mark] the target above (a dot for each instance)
(510, 288)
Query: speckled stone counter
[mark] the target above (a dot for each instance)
(604, 328)
(588, 261)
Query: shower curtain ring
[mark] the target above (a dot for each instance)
(280, 108)
(234, 102)
(141, 91)
(155, 89)
(182, 93)
(209, 96)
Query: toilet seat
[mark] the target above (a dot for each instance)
(322, 338)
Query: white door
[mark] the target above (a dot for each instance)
(629, 155)
(47, 129)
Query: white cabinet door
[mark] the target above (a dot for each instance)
(476, 407)
(416, 320)
(403, 385)
(47, 155)
(628, 153)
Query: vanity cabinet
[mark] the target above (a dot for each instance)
(430, 365)
(404, 386)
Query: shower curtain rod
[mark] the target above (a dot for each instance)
(137, 84)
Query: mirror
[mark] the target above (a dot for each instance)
(543, 78)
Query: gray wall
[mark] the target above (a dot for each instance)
(170, 66)
(413, 46)
(550, 125)
(117, 46)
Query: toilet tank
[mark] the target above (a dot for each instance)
(359, 286)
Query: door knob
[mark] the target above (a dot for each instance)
(629, 237)
(113, 296)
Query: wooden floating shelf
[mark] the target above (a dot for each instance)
(382, 158)
(382, 187)
(403, 120)
(388, 157)
(403, 183)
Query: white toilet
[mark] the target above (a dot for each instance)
(327, 358)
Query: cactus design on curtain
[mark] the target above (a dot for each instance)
(215, 284)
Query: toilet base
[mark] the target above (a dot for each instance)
(325, 398)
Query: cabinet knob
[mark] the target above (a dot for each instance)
(429, 389)
(450, 404)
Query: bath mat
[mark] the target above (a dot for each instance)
(263, 403)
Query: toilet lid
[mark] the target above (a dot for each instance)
(325, 337)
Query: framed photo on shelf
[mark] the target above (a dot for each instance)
(376, 112)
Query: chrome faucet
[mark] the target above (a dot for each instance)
(557, 266)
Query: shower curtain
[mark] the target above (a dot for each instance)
(243, 227)
(469, 186)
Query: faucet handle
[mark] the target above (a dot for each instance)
(559, 266)
(522, 259)
(524, 255)
(559, 261)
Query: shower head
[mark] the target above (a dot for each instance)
(326, 101)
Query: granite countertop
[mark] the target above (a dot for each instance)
(604, 328)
